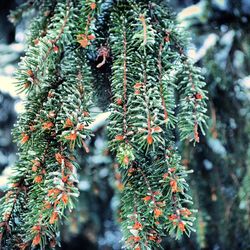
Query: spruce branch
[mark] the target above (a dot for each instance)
(151, 76)
(145, 151)
(55, 121)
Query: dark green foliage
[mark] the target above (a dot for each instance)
(57, 81)
(143, 118)
(155, 90)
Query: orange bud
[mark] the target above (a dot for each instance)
(137, 92)
(47, 205)
(165, 176)
(196, 134)
(25, 138)
(36, 41)
(34, 168)
(198, 96)
(138, 85)
(38, 179)
(93, 6)
(119, 101)
(131, 170)
(59, 158)
(137, 238)
(119, 137)
(118, 176)
(181, 226)
(126, 160)
(91, 37)
(30, 73)
(172, 170)
(15, 184)
(137, 226)
(36, 240)
(36, 228)
(80, 127)
(22, 246)
(69, 165)
(167, 39)
(147, 198)
(84, 42)
(142, 18)
(185, 212)
(65, 178)
(150, 139)
(68, 123)
(56, 203)
(152, 238)
(172, 217)
(53, 218)
(36, 162)
(85, 113)
(71, 136)
(157, 192)
(120, 186)
(159, 240)
(56, 49)
(174, 186)
(48, 125)
(157, 212)
(53, 192)
(157, 129)
(65, 198)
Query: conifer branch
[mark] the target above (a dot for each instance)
(149, 70)
(160, 82)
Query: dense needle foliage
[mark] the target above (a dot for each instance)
(157, 97)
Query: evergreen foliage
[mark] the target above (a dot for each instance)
(156, 93)
(141, 123)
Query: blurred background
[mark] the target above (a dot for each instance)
(220, 184)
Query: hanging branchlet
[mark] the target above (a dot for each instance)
(192, 108)
(58, 97)
(31, 71)
(86, 32)
(145, 84)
